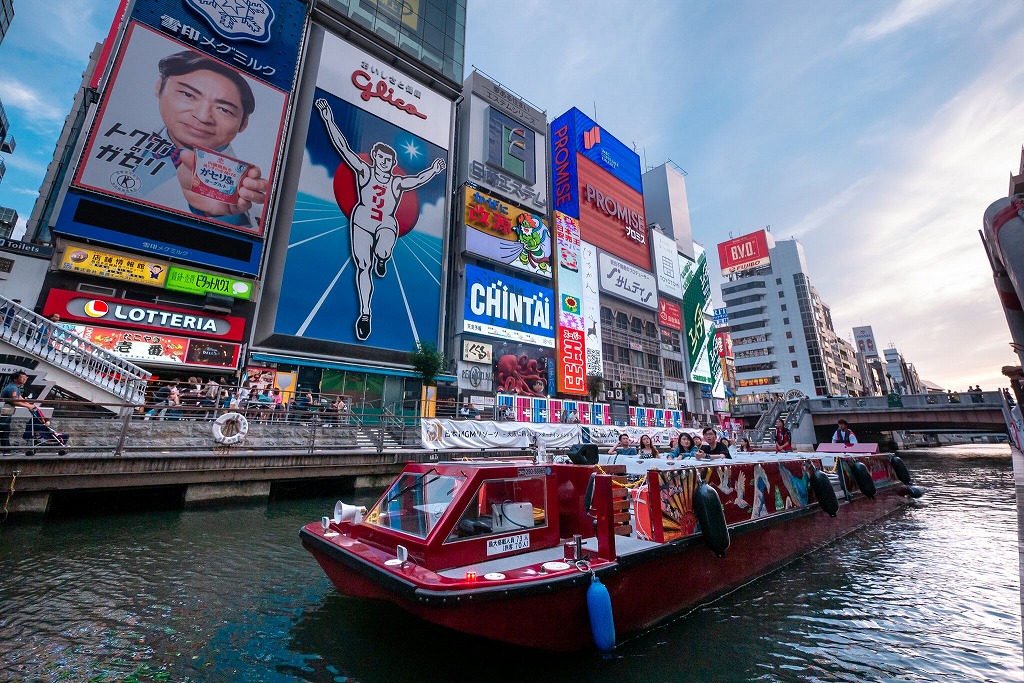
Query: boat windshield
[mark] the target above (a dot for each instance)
(416, 502)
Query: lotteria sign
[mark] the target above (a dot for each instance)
(507, 308)
(137, 315)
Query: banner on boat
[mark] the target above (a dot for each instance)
(439, 434)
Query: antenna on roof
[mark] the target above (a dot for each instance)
(595, 110)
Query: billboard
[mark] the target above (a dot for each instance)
(721, 316)
(197, 282)
(572, 344)
(745, 253)
(864, 338)
(724, 343)
(505, 307)
(696, 290)
(113, 265)
(500, 232)
(157, 348)
(201, 143)
(591, 308)
(670, 315)
(626, 281)
(505, 142)
(363, 258)
(612, 215)
(582, 134)
(666, 264)
(477, 352)
(523, 369)
(91, 309)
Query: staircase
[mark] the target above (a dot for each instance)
(54, 354)
(764, 430)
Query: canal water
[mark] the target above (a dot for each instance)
(929, 594)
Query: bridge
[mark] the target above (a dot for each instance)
(873, 418)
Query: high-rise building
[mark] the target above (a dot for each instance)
(6, 138)
(6, 17)
(782, 333)
(8, 221)
(902, 375)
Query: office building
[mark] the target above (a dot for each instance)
(6, 17)
(8, 221)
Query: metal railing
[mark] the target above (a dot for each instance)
(61, 348)
(964, 400)
(767, 420)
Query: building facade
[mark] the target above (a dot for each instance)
(6, 17)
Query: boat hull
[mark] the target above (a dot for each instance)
(646, 588)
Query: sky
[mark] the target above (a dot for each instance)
(875, 132)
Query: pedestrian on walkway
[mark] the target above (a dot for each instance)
(12, 400)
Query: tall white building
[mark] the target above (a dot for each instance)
(782, 333)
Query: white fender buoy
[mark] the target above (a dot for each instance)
(230, 428)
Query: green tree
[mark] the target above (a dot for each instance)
(595, 385)
(428, 363)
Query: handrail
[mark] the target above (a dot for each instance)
(768, 420)
(62, 348)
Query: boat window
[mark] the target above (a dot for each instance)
(503, 506)
(415, 503)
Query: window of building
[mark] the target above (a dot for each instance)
(792, 349)
(637, 326)
(785, 321)
(652, 362)
(622, 322)
(782, 295)
(784, 307)
(637, 359)
(650, 330)
(796, 378)
(606, 317)
(608, 349)
(623, 355)
(673, 368)
(789, 335)
(794, 363)
(778, 280)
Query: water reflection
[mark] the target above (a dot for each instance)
(230, 595)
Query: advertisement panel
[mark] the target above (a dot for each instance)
(724, 343)
(122, 312)
(202, 146)
(572, 346)
(475, 376)
(107, 221)
(721, 316)
(259, 37)
(626, 281)
(508, 308)
(591, 308)
(744, 253)
(363, 263)
(601, 148)
(864, 337)
(505, 143)
(152, 348)
(500, 232)
(666, 264)
(565, 184)
(612, 215)
(524, 369)
(696, 287)
(477, 352)
(113, 266)
(197, 282)
(670, 315)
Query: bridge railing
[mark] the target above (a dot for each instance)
(853, 404)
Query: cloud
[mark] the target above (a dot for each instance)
(315, 179)
(906, 13)
(23, 190)
(432, 219)
(17, 95)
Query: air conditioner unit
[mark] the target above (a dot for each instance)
(640, 400)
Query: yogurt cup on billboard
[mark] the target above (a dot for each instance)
(217, 176)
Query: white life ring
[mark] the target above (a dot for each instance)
(236, 432)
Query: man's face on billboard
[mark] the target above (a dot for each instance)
(201, 108)
(383, 161)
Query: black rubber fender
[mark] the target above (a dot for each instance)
(900, 468)
(863, 478)
(912, 491)
(824, 492)
(707, 506)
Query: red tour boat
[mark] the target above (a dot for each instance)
(565, 556)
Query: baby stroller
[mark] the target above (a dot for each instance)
(38, 432)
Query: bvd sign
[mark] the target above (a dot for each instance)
(745, 253)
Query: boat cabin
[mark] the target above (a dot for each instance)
(453, 514)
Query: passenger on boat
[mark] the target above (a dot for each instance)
(844, 434)
(697, 443)
(622, 447)
(783, 438)
(713, 449)
(647, 448)
(687, 446)
(745, 446)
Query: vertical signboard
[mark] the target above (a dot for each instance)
(666, 264)
(572, 357)
(696, 288)
(363, 262)
(591, 308)
(864, 337)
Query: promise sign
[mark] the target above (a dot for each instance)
(745, 253)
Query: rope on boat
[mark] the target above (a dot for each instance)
(10, 492)
(629, 485)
